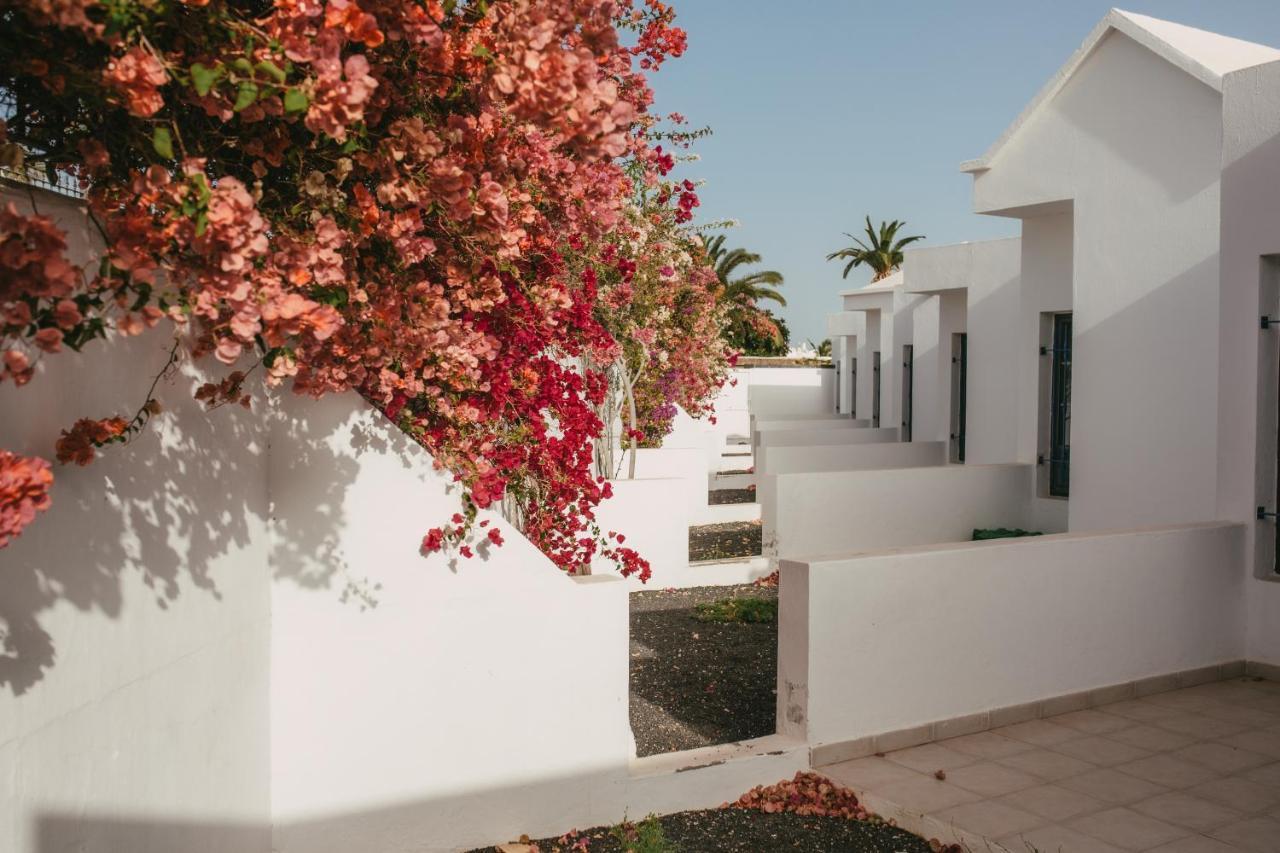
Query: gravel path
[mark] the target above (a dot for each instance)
(750, 831)
(697, 683)
(725, 541)
(716, 497)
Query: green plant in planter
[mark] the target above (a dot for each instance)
(747, 609)
(982, 533)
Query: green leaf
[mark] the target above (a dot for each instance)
(162, 142)
(295, 100)
(272, 70)
(204, 78)
(242, 65)
(481, 51)
(247, 94)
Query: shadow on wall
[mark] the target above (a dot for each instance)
(181, 508)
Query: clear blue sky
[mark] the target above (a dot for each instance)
(827, 110)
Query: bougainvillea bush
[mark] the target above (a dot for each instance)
(402, 197)
(660, 301)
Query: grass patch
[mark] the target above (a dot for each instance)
(979, 534)
(643, 837)
(746, 609)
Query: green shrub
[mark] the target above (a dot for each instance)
(746, 609)
(643, 837)
(980, 534)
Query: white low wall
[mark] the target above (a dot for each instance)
(653, 514)
(411, 700)
(809, 435)
(841, 512)
(949, 631)
(689, 465)
(849, 457)
(788, 392)
(817, 422)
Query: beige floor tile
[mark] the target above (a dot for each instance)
(1244, 715)
(1112, 786)
(1164, 769)
(1152, 738)
(930, 758)
(1127, 829)
(991, 780)
(1199, 726)
(1267, 774)
(1258, 835)
(1238, 793)
(1101, 751)
(1047, 765)
(1092, 721)
(1195, 844)
(1057, 839)
(1270, 704)
(1263, 742)
(1183, 809)
(924, 794)
(986, 745)
(1054, 802)
(863, 773)
(1183, 700)
(1222, 757)
(991, 818)
(1139, 709)
(1038, 732)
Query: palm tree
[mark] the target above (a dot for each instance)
(882, 251)
(748, 288)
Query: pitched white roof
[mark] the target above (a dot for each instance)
(889, 282)
(1204, 55)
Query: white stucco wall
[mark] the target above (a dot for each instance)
(134, 613)
(412, 721)
(1134, 144)
(790, 391)
(841, 512)
(1247, 371)
(809, 435)
(849, 457)
(1003, 623)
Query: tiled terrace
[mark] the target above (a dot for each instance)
(1188, 771)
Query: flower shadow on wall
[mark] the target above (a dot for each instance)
(181, 509)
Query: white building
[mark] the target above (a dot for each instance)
(1118, 353)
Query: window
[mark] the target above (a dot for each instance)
(959, 394)
(875, 388)
(908, 368)
(1060, 408)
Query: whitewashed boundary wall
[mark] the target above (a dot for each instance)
(849, 457)
(840, 512)
(801, 436)
(953, 631)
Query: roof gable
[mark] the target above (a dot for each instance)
(1204, 55)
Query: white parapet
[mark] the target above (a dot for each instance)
(948, 632)
(798, 436)
(849, 457)
(837, 512)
